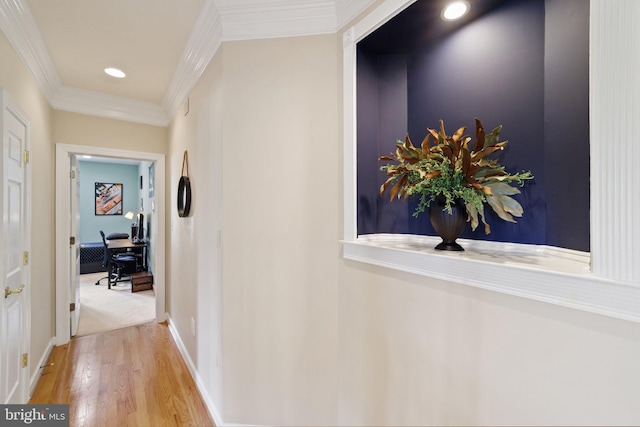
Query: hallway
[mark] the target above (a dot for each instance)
(133, 376)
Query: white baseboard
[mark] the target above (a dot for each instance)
(211, 407)
(33, 382)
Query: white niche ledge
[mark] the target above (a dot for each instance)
(542, 273)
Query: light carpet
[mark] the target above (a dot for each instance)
(103, 309)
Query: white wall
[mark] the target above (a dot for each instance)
(195, 252)
(422, 351)
(263, 146)
(82, 129)
(281, 228)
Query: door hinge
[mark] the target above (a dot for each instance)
(72, 306)
(72, 240)
(72, 174)
(25, 258)
(25, 360)
(26, 156)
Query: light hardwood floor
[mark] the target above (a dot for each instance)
(133, 376)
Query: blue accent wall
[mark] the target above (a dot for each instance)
(382, 92)
(90, 223)
(523, 65)
(566, 124)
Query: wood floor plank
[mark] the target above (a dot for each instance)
(128, 377)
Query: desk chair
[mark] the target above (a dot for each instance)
(119, 265)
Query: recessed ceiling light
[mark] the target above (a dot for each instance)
(455, 10)
(114, 72)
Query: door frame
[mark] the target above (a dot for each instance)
(74, 250)
(63, 200)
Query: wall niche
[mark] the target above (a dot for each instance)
(523, 64)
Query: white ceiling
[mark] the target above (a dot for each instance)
(144, 38)
(162, 45)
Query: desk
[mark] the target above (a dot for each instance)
(124, 246)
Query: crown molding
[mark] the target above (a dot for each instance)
(238, 20)
(347, 10)
(204, 41)
(18, 25)
(246, 21)
(99, 104)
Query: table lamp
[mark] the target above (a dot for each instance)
(134, 226)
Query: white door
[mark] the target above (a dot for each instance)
(14, 318)
(74, 246)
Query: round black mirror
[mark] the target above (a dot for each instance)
(184, 196)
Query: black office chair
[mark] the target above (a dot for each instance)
(119, 267)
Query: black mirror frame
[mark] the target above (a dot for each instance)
(184, 197)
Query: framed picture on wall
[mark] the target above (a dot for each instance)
(108, 199)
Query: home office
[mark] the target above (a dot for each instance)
(115, 207)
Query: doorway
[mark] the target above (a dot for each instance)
(64, 153)
(100, 307)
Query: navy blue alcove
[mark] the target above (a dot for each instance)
(522, 64)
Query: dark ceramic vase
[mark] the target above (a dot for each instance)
(449, 226)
